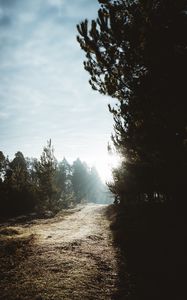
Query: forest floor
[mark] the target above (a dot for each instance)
(70, 256)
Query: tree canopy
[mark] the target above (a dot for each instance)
(136, 53)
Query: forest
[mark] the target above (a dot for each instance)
(30, 185)
(135, 52)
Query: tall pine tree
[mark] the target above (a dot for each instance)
(136, 53)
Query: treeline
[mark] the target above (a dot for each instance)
(136, 53)
(31, 185)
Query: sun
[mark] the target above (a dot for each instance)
(105, 165)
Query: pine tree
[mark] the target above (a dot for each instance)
(136, 53)
(80, 180)
(64, 183)
(3, 164)
(45, 170)
(18, 192)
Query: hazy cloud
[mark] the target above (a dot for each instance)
(44, 91)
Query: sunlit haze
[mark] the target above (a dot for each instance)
(105, 165)
(44, 88)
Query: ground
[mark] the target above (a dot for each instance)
(70, 256)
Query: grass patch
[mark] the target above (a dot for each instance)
(8, 231)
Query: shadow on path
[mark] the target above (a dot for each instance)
(149, 242)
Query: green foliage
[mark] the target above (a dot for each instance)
(17, 174)
(3, 163)
(136, 53)
(87, 184)
(16, 190)
(45, 171)
(80, 180)
(64, 184)
(32, 185)
(96, 189)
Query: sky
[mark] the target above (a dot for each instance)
(44, 89)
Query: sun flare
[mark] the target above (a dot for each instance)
(105, 165)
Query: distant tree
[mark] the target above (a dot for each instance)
(95, 187)
(17, 173)
(63, 173)
(19, 197)
(45, 170)
(87, 184)
(80, 180)
(3, 194)
(31, 166)
(64, 183)
(3, 164)
(32, 185)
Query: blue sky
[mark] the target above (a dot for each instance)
(44, 90)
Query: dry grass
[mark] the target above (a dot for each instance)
(71, 256)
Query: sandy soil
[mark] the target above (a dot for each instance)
(71, 256)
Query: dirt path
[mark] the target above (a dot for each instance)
(67, 257)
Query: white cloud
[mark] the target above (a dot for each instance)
(44, 89)
(4, 115)
(55, 2)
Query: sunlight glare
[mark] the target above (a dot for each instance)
(105, 165)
